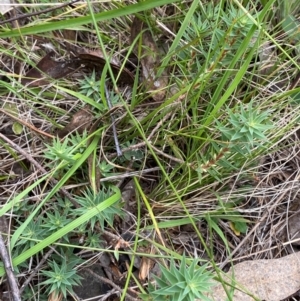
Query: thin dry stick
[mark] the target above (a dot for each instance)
(35, 270)
(296, 82)
(38, 13)
(128, 174)
(138, 145)
(39, 167)
(103, 279)
(229, 258)
(105, 297)
(26, 124)
(168, 156)
(141, 144)
(9, 273)
(160, 124)
(118, 149)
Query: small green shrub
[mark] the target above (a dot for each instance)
(181, 284)
(90, 200)
(246, 127)
(61, 278)
(90, 87)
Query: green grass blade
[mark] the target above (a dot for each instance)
(82, 97)
(180, 32)
(71, 23)
(21, 195)
(63, 180)
(172, 223)
(63, 231)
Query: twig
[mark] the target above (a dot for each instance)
(39, 167)
(265, 215)
(129, 174)
(160, 124)
(168, 156)
(9, 273)
(119, 152)
(111, 283)
(141, 144)
(108, 294)
(295, 82)
(38, 13)
(36, 269)
(126, 149)
(26, 124)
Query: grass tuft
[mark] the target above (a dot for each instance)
(209, 139)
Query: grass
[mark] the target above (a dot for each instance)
(209, 165)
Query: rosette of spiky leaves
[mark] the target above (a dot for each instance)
(59, 151)
(64, 153)
(247, 126)
(183, 283)
(61, 278)
(90, 87)
(90, 199)
(55, 221)
(33, 232)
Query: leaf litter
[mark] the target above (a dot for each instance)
(150, 60)
(260, 277)
(47, 68)
(81, 121)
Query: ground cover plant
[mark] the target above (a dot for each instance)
(146, 146)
